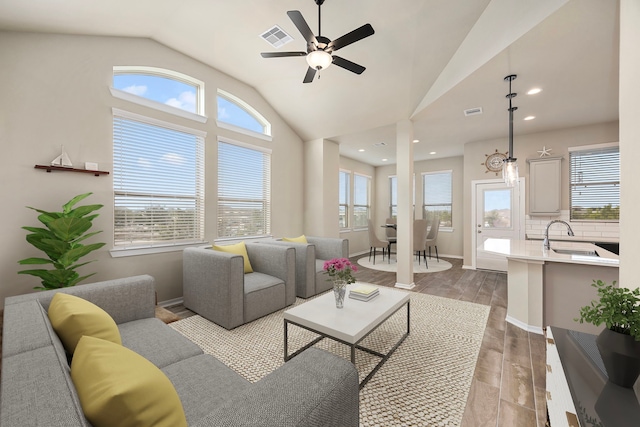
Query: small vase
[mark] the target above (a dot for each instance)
(339, 289)
(621, 357)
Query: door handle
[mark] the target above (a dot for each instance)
(479, 231)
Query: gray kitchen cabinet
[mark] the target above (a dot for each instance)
(545, 178)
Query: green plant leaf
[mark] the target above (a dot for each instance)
(76, 253)
(31, 261)
(66, 208)
(81, 211)
(80, 279)
(86, 236)
(68, 229)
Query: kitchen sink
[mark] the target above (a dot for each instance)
(581, 252)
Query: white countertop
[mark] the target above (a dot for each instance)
(533, 250)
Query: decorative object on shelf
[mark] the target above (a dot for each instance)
(494, 161)
(60, 241)
(619, 342)
(62, 160)
(340, 271)
(510, 168)
(545, 151)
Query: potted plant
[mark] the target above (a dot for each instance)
(340, 271)
(60, 241)
(619, 343)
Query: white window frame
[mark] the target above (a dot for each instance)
(347, 205)
(584, 149)
(391, 188)
(450, 204)
(165, 246)
(199, 116)
(266, 187)
(265, 135)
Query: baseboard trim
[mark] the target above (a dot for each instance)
(534, 329)
(405, 286)
(468, 267)
(171, 302)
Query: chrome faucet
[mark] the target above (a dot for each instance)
(545, 242)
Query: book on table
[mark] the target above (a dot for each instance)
(364, 292)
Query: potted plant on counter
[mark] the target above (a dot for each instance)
(619, 343)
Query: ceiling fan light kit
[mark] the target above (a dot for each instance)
(320, 49)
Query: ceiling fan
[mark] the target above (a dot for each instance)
(320, 49)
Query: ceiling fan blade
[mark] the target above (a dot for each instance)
(281, 54)
(358, 34)
(348, 65)
(303, 27)
(311, 73)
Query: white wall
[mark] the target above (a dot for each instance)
(55, 91)
(449, 243)
(526, 146)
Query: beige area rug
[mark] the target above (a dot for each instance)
(424, 383)
(434, 265)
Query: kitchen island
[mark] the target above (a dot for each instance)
(547, 287)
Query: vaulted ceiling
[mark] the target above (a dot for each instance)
(428, 61)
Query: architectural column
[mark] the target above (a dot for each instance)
(321, 182)
(404, 174)
(629, 129)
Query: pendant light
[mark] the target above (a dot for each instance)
(510, 165)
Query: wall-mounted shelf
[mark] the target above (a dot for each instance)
(50, 168)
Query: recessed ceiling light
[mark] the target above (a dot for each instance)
(384, 160)
(415, 141)
(432, 153)
(530, 117)
(534, 91)
(361, 150)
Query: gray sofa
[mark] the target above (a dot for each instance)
(310, 258)
(215, 286)
(315, 388)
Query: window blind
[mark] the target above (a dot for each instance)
(361, 202)
(244, 191)
(595, 184)
(437, 196)
(343, 198)
(158, 184)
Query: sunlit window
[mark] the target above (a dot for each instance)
(239, 115)
(159, 88)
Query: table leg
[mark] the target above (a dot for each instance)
(286, 340)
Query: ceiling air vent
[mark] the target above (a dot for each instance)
(380, 144)
(276, 36)
(473, 111)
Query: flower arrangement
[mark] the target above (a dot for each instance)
(340, 269)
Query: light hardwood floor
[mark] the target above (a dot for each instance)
(508, 387)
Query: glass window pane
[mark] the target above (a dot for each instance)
(595, 184)
(497, 208)
(234, 114)
(164, 90)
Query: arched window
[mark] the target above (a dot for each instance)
(162, 89)
(235, 114)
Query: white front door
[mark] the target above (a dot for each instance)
(499, 213)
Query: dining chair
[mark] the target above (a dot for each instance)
(432, 237)
(392, 234)
(375, 243)
(420, 239)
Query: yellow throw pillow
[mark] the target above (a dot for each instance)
(118, 387)
(72, 317)
(300, 239)
(237, 249)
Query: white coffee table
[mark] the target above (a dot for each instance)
(348, 325)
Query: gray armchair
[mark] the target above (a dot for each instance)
(310, 258)
(216, 287)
